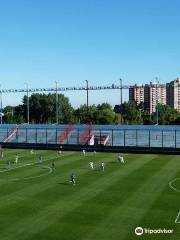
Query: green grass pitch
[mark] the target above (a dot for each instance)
(38, 202)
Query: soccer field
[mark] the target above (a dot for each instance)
(38, 202)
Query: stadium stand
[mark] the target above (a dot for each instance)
(135, 137)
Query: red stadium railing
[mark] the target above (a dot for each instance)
(63, 136)
(86, 134)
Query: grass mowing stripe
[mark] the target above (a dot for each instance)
(104, 201)
(28, 188)
(83, 174)
(17, 166)
(33, 188)
(167, 206)
(129, 215)
(58, 202)
(66, 204)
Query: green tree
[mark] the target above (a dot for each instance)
(104, 114)
(100, 114)
(8, 114)
(43, 108)
(84, 115)
(146, 116)
(166, 115)
(130, 112)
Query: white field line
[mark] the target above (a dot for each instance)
(10, 169)
(178, 217)
(4, 164)
(171, 185)
(11, 157)
(30, 164)
(27, 164)
(41, 175)
(177, 220)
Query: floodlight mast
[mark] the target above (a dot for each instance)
(87, 95)
(57, 112)
(27, 110)
(121, 96)
(157, 102)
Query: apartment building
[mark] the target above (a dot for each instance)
(136, 94)
(173, 94)
(154, 93)
(150, 94)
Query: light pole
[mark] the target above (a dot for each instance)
(121, 96)
(157, 102)
(140, 111)
(1, 102)
(87, 94)
(27, 107)
(57, 116)
(157, 115)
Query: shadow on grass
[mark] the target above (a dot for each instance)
(64, 183)
(3, 168)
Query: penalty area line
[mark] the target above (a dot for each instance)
(177, 220)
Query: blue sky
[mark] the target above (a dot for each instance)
(100, 40)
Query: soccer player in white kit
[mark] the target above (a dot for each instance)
(84, 152)
(16, 159)
(40, 159)
(91, 165)
(102, 166)
(120, 158)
